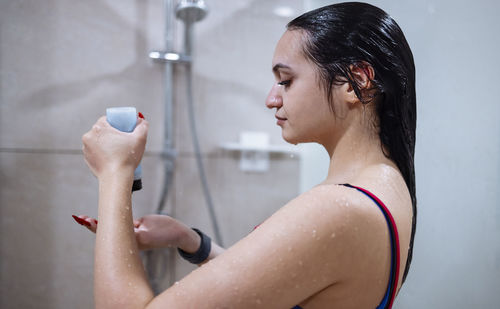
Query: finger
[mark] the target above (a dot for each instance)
(93, 224)
(102, 120)
(81, 221)
(86, 221)
(141, 127)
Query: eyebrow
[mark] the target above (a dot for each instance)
(279, 66)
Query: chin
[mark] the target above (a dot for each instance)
(292, 139)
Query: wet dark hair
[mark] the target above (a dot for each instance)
(349, 34)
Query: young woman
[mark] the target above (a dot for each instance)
(345, 79)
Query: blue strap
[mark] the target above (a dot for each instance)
(386, 299)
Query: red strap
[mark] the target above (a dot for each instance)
(396, 237)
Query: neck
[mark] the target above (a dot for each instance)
(355, 150)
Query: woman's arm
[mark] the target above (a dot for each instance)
(160, 231)
(119, 277)
(291, 256)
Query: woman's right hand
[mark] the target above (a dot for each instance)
(156, 231)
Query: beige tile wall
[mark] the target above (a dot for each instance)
(61, 64)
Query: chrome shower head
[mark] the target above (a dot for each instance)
(191, 10)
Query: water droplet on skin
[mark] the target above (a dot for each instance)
(297, 286)
(131, 251)
(129, 265)
(176, 283)
(258, 301)
(130, 284)
(333, 235)
(289, 249)
(300, 263)
(294, 275)
(314, 233)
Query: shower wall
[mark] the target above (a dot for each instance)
(61, 64)
(456, 261)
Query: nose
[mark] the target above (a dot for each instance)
(274, 98)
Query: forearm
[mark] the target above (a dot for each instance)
(119, 279)
(214, 252)
(191, 242)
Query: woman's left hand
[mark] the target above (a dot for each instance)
(108, 150)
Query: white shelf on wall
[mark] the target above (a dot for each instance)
(255, 149)
(269, 148)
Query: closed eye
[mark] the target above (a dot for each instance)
(284, 83)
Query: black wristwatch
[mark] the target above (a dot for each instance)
(203, 251)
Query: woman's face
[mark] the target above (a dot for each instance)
(302, 109)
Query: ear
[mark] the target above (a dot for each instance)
(363, 74)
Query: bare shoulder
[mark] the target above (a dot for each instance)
(335, 221)
(309, 246)
(331, 204)
(386, 182)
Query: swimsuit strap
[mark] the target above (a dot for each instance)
(390, 294)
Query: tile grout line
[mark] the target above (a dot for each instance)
(148, 154)
(79, 152)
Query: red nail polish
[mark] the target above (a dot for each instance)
(76, 219)
(141, 115)
(80, 220)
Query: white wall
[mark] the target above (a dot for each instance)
(457, 250)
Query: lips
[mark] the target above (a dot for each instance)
(280, 121)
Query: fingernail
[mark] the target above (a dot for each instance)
(141, 115)
(80, 221)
